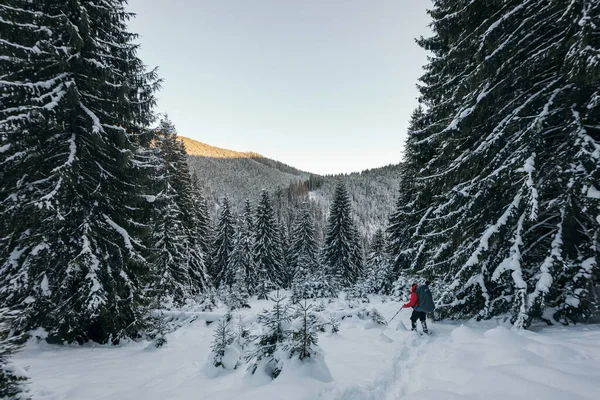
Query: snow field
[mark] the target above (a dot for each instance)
(470, 361)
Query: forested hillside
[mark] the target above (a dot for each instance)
(241, 176)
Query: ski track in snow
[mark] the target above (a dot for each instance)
(366, 362)
(395, 384)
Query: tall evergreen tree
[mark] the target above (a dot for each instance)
(203, 229)
(410, 205)
(180, 261)
(304, 255)
(223, 246)
(73, 88)
(504, 163)
(241, 261)
(284, 240)
(342, 254)
(267, 248)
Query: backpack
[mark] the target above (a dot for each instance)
(425, 300)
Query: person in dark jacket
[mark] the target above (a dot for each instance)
(417, 313)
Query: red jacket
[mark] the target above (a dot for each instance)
(414, 299)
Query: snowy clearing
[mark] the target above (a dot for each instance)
(365, 361)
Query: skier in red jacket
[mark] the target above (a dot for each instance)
(416, 314)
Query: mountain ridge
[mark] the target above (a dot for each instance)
(200, 149)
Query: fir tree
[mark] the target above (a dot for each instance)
(411, 204)
(170, 235)
(284, 240)
(73, 91)
(377, 277)
(304, 339)
(242, 257)
(304, 249)
(267, 248)
(242, 334)
(503, 166)
(180, 259)
(223, 246)
(342, 252)
(334, 324)
(203, 229)
(275, 324)
(303, 257)
(224, 336)
(239, 295)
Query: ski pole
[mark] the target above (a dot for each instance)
(394, 316)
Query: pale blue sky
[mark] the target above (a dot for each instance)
(326, 86)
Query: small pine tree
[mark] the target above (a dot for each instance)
(304, 338)
(158, 329)
(275, 323)
(377, 317)
(320, 307)
(242, 334)
(334, 324)
(223, 337)
(360, 291)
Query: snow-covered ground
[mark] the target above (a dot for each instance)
(470, 361)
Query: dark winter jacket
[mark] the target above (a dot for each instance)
(414, 298)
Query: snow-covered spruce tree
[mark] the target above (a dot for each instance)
(171, 237)
(238, 296)
(342, 254)
(378, 275)
(334, 324)
(321, 284)
(303, 339)
(275, 325)
(303, 255)
(203, 229)
(223, 337)
(267, 249)
(185, 198)
(284, 240)
(223, 246)
(410, 205)
(12, 382)
(505, 161)
(241, 260)
(73, 88)
(242, 334)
